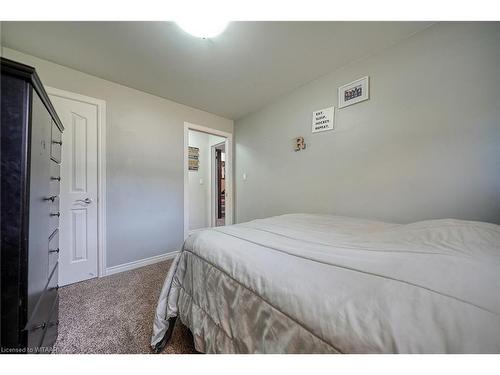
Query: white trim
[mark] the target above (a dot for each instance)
(101, 169)
(229, 171)
(140, 263)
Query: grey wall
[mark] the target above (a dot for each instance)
(144, 160)
(426, 145)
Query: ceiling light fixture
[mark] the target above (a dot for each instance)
(203, 28)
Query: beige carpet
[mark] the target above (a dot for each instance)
(114, 314)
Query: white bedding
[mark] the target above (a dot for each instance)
(329, 284)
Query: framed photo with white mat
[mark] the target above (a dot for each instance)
(354, 92)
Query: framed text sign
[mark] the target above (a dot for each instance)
(354, 92)
(323, 119)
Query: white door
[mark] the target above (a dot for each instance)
(78, 198)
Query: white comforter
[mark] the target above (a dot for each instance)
(318, 283)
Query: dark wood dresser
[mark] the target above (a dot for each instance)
(30, 157)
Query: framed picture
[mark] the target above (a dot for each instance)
(193, 158)
(354, 92)
(323, 120)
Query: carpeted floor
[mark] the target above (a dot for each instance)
(114, 314)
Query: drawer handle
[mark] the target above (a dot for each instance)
(54, 251)
(57, 142)
(38, 326)
(51, 198)
(55, 178)
(55, 214)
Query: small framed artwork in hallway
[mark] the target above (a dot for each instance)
(208, 200)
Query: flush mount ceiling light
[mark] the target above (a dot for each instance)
(203, 28)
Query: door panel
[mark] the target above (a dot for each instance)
(79, 155)
(79, 245)
(78, 200)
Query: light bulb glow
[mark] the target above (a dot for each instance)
(203, 28)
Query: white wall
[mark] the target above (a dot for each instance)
(426, 145)
(200, 193)
(145, 136)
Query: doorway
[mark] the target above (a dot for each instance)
(207, 178)
(218, 196)
(82, 183)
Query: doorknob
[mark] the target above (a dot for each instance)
(86, 200)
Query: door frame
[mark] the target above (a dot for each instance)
(229, 171)
(101, 169)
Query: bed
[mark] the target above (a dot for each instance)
(304, 283)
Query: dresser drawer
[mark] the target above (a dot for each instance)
(55, 178)
(54, 215)
(51, 329)
(53, 249)
(37, 322)
(54, 187)
(54, 203)
(56, 143)
(53, 223)
(54, 278)
(35, 337)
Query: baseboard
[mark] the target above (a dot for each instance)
(140, 263)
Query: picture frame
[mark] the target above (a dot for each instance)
(354, 92)
(323, 120)
(193, 158)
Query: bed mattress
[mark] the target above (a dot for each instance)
(306, 283)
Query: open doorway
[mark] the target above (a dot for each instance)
(207, 181)
(218, 196)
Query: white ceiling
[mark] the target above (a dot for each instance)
(234, 74)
